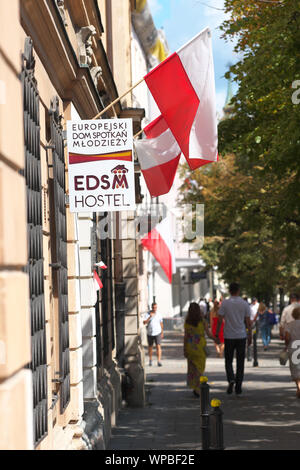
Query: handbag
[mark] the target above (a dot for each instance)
(283, 357)
(206, 351)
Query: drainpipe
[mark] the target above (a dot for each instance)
(119, 292)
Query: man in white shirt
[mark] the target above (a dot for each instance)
(203, 306)
(254, 308)
(155, 333)
(236, 313)
(286, 316)
(253, 317)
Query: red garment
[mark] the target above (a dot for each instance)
(214, 329)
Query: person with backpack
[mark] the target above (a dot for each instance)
(264, 325)
(271, 318)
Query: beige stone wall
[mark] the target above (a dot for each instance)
(70, 84)
(134, 356)
(118, 44)
(15, 383)
(16, 419)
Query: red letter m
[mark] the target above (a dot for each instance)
(120, 181)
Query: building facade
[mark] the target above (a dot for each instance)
(69, 355)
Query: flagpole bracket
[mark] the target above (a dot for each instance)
(55, 265)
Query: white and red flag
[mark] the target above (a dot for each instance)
(97, 281)
(159, 156)
(101, 265)
(161, 244)
(183, 86)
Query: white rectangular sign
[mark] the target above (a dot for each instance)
(101, 166)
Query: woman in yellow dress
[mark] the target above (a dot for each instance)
(195, 328)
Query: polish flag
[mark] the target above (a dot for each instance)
(97, 281)
(160, 243)
(101, 265)
(159, 156)
(183, 86)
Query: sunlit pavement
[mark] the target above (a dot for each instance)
(266, 415)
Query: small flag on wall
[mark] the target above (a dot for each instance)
(97, 282)
(101, 265)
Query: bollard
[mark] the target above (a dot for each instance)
(204, 409)
(204, 395)
(255, 362)
(216, 426)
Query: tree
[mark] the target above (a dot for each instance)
(238, 237)
(251, 197)
(263, 132)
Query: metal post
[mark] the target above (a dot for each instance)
(216, 426)
(255, 362)
(205, 412)
(204, 395)
(153, 282)
(180, 292)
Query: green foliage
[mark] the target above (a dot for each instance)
(251, 197)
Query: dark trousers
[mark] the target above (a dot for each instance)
(238, 345)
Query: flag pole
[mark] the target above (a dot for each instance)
(139, 133)
(118, 99)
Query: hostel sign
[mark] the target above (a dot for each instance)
(101, 167)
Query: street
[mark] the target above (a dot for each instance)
(265, 417)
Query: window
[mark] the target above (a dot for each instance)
(59, 253)
(34, 268)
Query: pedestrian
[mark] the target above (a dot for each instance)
(207, 308)
(195, 328)
(264, 325)
(155, 333)
(203, 306)
(286, 316)
(292, 341)
(272, 317)
(253, 318)
(236, 313)
(254, 307)
(213, 323)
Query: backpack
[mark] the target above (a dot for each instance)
(272, 319)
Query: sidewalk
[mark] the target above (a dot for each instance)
(266, 416)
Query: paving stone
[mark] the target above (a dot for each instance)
(266, 416)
